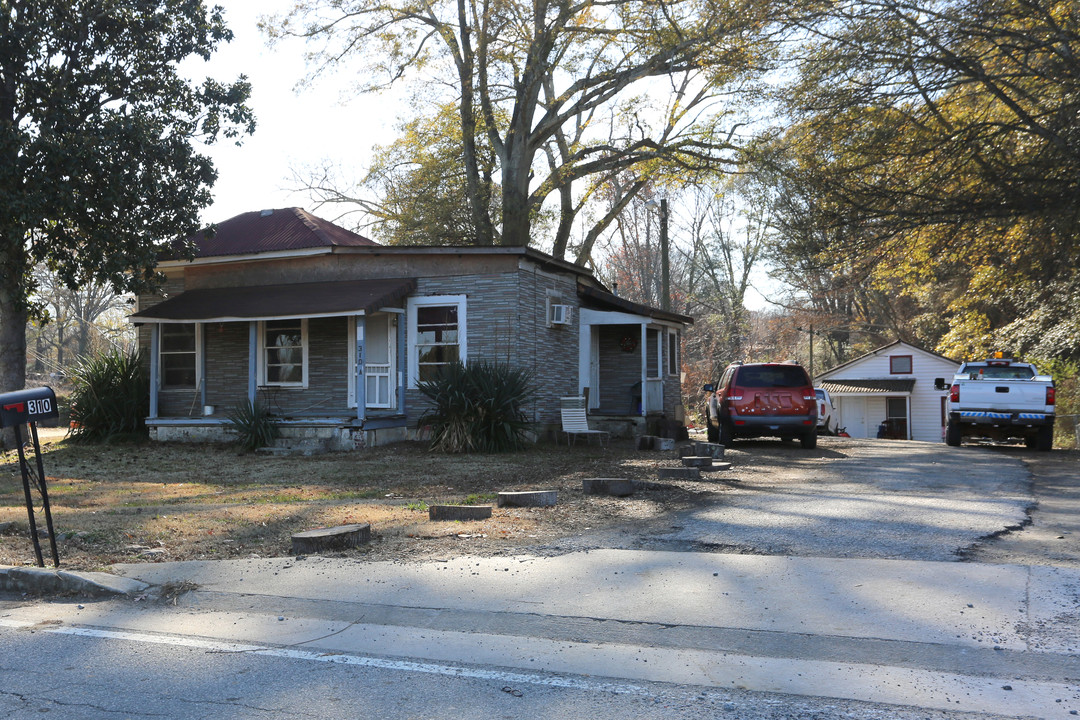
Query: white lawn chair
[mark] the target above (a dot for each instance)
(575, 423)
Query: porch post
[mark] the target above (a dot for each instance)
(361, 386)
(402, 362)
(644, 369)
(253, 359)
(200, 343)
(155, 350)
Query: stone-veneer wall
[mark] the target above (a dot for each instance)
(506, 322)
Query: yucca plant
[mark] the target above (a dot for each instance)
(477, 407)
(253, 425)
(111, 397)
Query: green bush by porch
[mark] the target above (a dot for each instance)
(109, 399)
(477, 407)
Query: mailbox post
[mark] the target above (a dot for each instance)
(17, 410)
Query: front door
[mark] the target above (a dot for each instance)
(379, 355)
(380, 360)
(896, 418)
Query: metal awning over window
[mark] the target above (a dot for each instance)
(275, 302)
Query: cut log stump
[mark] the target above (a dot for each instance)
(683, 473)
(334, 538)
(619, 487)
(459, 512)
(529, 498)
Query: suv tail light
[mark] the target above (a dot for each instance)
(1050, 395)
(954, 394)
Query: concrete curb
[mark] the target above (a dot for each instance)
(43, 581)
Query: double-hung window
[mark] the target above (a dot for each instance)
(436, 335)
(673, 352)
(284, 353)
(179, 355)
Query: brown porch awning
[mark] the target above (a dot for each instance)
(270, 302)
(867, 387)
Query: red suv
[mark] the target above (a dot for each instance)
(756, 399)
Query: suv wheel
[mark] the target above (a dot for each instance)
(712, 425)
(724, 434)
(809, 440)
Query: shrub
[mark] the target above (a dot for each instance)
(477, 407)
(253, 425)
(110, 398)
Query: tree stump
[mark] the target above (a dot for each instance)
(334, 538)
(619, 487)
(530, 498)
(459, 512)
(683, 473)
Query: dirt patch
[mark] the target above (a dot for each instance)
(155, 502)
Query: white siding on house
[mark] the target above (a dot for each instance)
(924, 402)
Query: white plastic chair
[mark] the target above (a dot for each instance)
(574, 421)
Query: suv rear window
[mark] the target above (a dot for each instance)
(772, 376)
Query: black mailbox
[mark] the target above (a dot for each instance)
(23, 406)
(17, 410)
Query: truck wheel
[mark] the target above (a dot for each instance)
(952, 434)
(1044, 441)
(809, 440)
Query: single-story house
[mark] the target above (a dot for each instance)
(894, 385)
(333, 331)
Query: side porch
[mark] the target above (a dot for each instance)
(629, 373)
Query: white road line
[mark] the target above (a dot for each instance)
(573, 683)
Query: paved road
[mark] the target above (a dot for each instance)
(621, 631)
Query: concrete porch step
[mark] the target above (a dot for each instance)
(296, 446)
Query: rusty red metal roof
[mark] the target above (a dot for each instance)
(274, 230)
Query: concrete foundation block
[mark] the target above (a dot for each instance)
(713, 450)
(696, 461)
(459, 512)
(716, 467)
(529, 498)
(335, 538)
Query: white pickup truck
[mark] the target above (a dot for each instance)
(1000, 399)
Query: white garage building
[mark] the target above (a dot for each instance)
(894, 385)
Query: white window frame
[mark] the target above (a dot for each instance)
(674, 342)
(411, 306)
(162, 353)
(302, 385)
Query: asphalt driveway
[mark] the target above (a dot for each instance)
(850, 499)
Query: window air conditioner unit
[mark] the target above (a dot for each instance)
(562, 314)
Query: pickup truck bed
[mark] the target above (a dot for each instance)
(1002, 400)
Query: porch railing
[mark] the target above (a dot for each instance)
(654, 394)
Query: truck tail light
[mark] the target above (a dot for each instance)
(954, 393)
(1050, 395)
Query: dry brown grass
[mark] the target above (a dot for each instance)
(152, 502)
